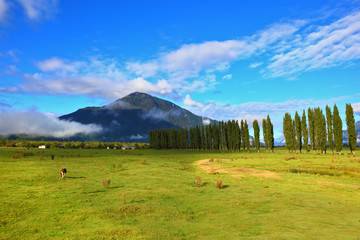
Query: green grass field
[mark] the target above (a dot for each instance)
(265, 195)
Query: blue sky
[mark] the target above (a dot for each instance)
(223, 60)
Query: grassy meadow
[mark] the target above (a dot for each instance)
(173, 195)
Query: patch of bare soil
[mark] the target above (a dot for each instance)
(338, 184)
(239, 173)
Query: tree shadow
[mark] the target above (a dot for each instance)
(75, 177)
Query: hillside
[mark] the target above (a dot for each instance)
(130, 118)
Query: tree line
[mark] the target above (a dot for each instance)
(318, 131)
(230, 135)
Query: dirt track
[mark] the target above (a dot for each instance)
(211, 168)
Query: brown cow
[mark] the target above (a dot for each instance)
(63, 172)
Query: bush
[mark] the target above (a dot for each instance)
(118, 166)
(219, 184)
(106, 183)
(143, 162)
(18, 155)
(198, 181)
(212, 171)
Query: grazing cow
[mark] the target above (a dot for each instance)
(63, 172)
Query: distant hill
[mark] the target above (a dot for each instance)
(130, 118)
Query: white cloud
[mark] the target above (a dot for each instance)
(137, 137)
(148, 69)
(4, 7)
(35, 9)
(250, 119)
(189, 102)
(258, 110)
(356, 108)
(255, 64)
(325, 46)
(57, 64)
(206, 121)
(227, 77)
(95, 77)
(190, 60)
(41, 124)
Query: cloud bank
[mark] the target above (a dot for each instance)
(33, 9)
(41, 124)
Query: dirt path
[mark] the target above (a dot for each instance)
(208, 166)
(212, 168)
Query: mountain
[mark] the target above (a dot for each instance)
(131, 117)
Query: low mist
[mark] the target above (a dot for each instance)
(41, 124)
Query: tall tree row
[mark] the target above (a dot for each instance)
(229, 135)
(323, 130)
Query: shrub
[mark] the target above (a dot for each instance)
(198, 181)
(118, 166)
(18, 155)
(211, 160)
(106, 183)
(143, 162)
(212, 171)
(219, 184)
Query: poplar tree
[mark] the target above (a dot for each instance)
(338, 133)
(247, 137)
(329, 121)
(320, 130)
(305, 131)
(293, 135)
(237, 137)
(312, 128)
(351, 131)
(270, 133)
(264, 127)
(256, 135)
(287, 131)
(298, 131)
(203, 138)
(242, 130)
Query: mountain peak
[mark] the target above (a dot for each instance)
(144, 101)
(131, 117)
